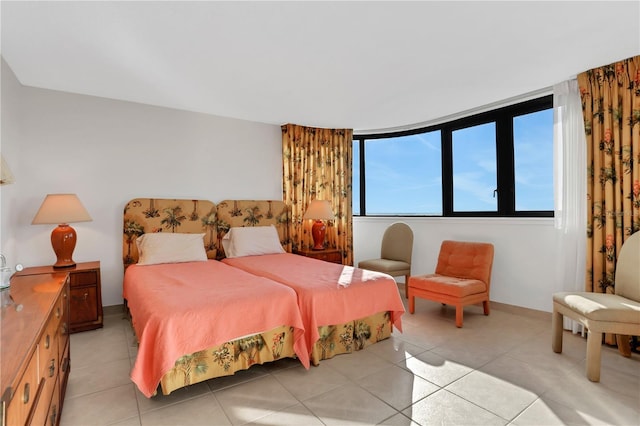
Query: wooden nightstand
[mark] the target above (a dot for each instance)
(328, 255)
(85, 303)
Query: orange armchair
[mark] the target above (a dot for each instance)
(462, 277)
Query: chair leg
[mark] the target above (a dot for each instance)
(556, 331)
(594, 347)
(487, 308)
(624, 346)
(406, 286)
(412, 303)
(459, 312)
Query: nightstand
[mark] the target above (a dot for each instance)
(85, 303)
(328, 255)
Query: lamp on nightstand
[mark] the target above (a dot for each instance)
(62, 209)
(319, 210)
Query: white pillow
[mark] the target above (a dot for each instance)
(161, 247)
(226, 244)
(253, 241)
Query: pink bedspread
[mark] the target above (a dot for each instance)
(328, 293)
(182, 308)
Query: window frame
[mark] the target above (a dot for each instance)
(505, 162)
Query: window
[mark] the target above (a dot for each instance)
(533, 160)
(474, 168)
(404, 175)
(355, 186)
(498, 163)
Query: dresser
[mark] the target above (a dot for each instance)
(85, 302)
(35, 350)
(328, 255)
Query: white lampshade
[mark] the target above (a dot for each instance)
(319, 209)
(5, 172)
(61, 208)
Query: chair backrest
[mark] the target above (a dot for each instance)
(627, 276)
(463, 259)
(397, 242)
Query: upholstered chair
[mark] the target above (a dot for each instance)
(462, 277)
(395, 253)
(600, 313)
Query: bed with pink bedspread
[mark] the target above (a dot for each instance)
(344, 309)
(198, 320)
(168, 301)
(327, 293)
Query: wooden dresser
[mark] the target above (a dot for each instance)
(35, 350)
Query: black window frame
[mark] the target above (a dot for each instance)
(505, 165)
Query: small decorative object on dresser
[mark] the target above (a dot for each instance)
(85, 303)
(329, 255)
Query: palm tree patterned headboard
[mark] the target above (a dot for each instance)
(144, 215)
(237, 213)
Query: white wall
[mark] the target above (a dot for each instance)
(109, 152)
(524, 258)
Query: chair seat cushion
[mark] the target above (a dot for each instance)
(391, 267)
(459, 287)
(600, 306)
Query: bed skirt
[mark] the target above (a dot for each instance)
(227, 358)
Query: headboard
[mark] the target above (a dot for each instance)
(236, 213)
(144, 215)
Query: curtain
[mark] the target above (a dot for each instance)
(611, 107)
(570, 182)
(317, 164)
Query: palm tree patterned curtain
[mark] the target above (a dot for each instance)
(611, 108)
(317, 165)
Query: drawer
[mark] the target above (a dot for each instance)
(53, 416)
(65, 369)
(83, 305)
(330, 257)
(24, 395)
(48, 349)
(83, 278)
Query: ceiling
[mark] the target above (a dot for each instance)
(366, 65)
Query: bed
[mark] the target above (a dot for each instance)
(343, 308)
(329, 318)
(196, 318)
(332, 294)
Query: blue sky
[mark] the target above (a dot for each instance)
(404, 173)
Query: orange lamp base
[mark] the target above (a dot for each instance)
(317, 231)
(63, 240)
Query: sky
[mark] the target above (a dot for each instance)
(403, 174)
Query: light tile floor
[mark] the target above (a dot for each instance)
(497, 370)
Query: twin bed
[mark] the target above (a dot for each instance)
(211, 291)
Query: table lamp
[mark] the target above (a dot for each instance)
(62, 209)
(318, 210)
(6, 176)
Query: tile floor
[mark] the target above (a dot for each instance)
(497, 370)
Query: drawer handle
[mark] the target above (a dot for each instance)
(25, 394)
(57, 312)
(53, 416)
(47, 342)
(64, 328)
(52, 368)
(83, 298)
